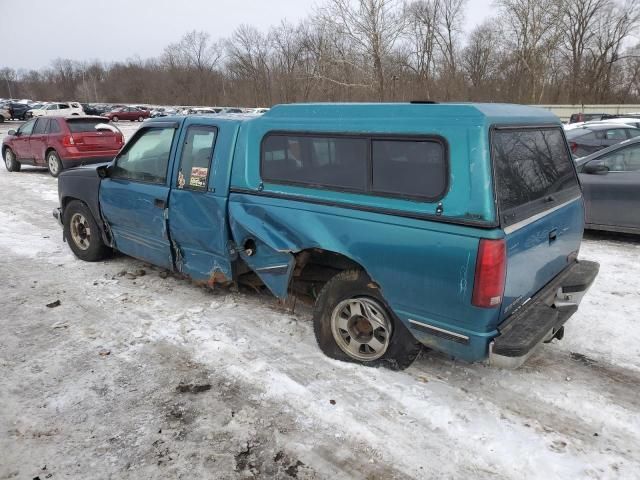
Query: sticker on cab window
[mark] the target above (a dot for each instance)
(198, 177)
(181, 179)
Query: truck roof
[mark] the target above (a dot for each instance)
(492, 113)
(467, 113)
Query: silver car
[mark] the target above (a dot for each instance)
(611, 186)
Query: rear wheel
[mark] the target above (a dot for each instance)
(10, 161)
(83, 234)
(141, 118)
(53, 163)
(353, 323)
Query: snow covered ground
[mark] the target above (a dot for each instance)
(137, 374)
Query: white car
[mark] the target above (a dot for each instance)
(58, 110)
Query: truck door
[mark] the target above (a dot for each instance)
(133, 199)
(198, 202)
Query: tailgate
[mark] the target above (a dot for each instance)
(540, 208)
(87, 141)
(540, 250)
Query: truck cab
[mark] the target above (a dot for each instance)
(455, 227)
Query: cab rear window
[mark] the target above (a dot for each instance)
(533, 171)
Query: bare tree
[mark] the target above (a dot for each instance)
(372, 27)
(579, 20)
(612, 29)
(449, 29)
(423, 21)
(480, 58)
(532, 30)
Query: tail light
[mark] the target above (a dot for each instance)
(491, 266)
(574, 147)
(68, 141)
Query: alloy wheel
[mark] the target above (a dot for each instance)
(361, 328)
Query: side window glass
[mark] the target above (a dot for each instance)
(53, 127)
(617, 134)
(147, 158)
(27, 128)
(339, 162)
(40, 127)
(409, 167)
(195, 160)
(625, 160)
(634, 132)
(63, 105)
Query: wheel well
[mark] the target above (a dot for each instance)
(50, 149)
(315, 267)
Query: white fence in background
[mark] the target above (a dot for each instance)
(565, 111)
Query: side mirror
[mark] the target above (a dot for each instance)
(104, 170)
(11, 132)
(595, 168)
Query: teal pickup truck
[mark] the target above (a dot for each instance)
(454, 226)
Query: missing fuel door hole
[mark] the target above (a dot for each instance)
(249, 247)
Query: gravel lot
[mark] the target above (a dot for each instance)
(138, 374)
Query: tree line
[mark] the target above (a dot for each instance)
(528, 51)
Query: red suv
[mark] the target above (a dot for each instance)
(127, 113)
(59, 143)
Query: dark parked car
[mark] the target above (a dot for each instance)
(588, 117)
(611, 187)
(127, 113)
(588, 139)
(18, 111)
(59, 143)
(91, 109)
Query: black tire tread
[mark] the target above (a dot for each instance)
(15, 165)
(97, 250)
(403, 349)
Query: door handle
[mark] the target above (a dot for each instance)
(553, 235)
(160, 203)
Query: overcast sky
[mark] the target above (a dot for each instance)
(34, 32)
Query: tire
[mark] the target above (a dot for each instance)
(1, 118)
(115, 119)
(54, 164)
(10, 162)
(141, 118)
(385, 341)
(83, 234)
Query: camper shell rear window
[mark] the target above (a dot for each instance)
(533, 171)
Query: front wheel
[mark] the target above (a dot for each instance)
(115, 118)
(141, 118)
(353, 323)
(83, 234)
(54, 164)
(10, 161)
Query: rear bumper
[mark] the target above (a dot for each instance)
(542, 316)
